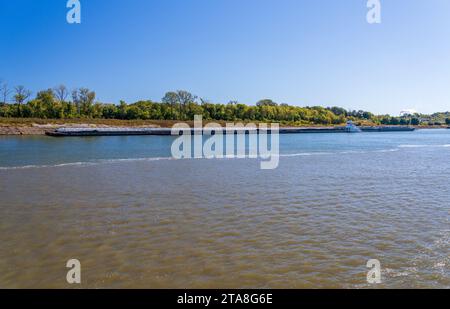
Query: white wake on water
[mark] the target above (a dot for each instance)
(84, 164)
(424, 146)
(149, 159)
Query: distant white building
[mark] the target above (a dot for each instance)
(407, 112)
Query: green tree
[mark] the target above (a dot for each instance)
(186, 99)
(21, 94)
(415, 121)
(84, 100)
(171, 98)
(266, 102)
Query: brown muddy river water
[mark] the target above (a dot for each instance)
(152, 222)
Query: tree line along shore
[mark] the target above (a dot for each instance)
(59, 105)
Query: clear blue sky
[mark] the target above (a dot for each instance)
(301, 52)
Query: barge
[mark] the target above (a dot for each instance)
(116, 131)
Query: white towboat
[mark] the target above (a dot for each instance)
(351, 128)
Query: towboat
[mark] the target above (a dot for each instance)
(351, 128)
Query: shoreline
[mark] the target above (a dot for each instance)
(32, 127)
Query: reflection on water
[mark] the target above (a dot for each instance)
(335, 202)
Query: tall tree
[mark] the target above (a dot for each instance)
(171, 98)
(185, 98)
(61, 93)
(87, 100)
(76, 101)
(21, 94)
(5, 92)
(83, 99)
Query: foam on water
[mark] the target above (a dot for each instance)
(424, 146)
(150, 159)
(82, 164)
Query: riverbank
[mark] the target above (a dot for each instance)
(33, 126)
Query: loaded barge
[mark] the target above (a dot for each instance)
(67, 132)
